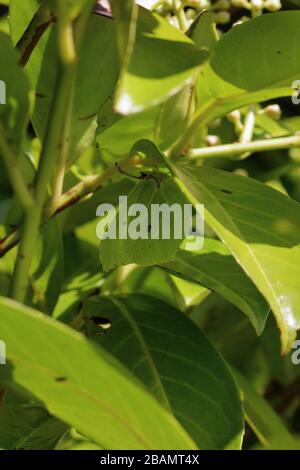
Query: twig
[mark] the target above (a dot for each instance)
(248, 129)
(52, 142)
(180, 15)
(89, 185)
(230, 150)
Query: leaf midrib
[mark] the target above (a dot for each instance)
(248, 248)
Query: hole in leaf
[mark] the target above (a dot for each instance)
(226, 191)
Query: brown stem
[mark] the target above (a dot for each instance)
(89, 185)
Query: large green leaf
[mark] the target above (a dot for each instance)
(82, 276)
(203, 31)
(82, 384)
(152, 281)
(25, 424)
(176, 362)
(96, 79)
(80, 214)
(239, 73)
(163, 61)
(117, 134)
(71, 8)
(214, 268)
(161, 124)
(15, 89)
(150, 248)
(125, 13)
(261, 227)
(283, 369)
(266, 424)
(20, 15)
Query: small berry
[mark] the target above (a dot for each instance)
(234, 116)
(272, 5)
(221, 5)
(212, 140)
(222, 17)
(241, 4)
(257, 4)
(273, 111)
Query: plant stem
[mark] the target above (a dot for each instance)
(65, 33)
(48, 158)
(157, 4)
(25, 252)
(248, 129)
(52, 145)
(91, 184)
(52, 141)
(88, 186)
(201, 118)
(230, 150)
(179, 12)
(62, 158)
(247, 132)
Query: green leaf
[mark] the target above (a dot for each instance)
(231, 333)
(272, 128)
(161, 124)
(15, 89)
(292, 124)
(163, 61)
(261, 227)
(265, 423)
(149, 280)
(176, 362)
(72, 7)
(20, 15)
(11, 212)
(203, 31)
(82, 384)
(95, 81)
(117, 134)
(239, 74)
(27, 425)
(125, 13)
(80, 214)
(187, 294)
(73, 441)
(152, 249)
(282, 368)
(81, 276)
(214, 268)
